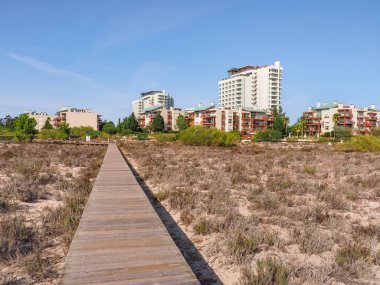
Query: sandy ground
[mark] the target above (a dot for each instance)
(347, 195)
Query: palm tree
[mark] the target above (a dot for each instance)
(335, 119)
(302, 122)
(286, 122)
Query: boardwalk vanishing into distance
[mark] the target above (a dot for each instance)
(120, 238)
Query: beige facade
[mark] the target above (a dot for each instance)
(77, 118)
(40, 118)
(72, 116)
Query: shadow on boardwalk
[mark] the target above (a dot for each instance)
(200, 267)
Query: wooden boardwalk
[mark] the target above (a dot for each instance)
(120, 238)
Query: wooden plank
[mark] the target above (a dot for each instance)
(120, 238)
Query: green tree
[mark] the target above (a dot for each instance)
(64, 128)
(274, 111)
(109, 128)
(181, 123)
(25, 125)
(335, 119)
(132, 123)
(279, 124)
(158, 124)
(47, 125)
(342, 133)
(8, 122)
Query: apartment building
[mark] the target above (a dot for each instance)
(152, 99)
(77, 118)
(170, 116)
(244, 120)
(40, 118)
(319, 119)
(251, 86)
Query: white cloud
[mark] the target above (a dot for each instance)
(45, 67)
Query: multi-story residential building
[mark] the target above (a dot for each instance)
(152, 99)
(77, 118)
(73, 116)
(170, 116)
(320, 120)
(252, 87)
(40, 118)
(244, 120)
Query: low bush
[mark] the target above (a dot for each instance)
(375, 132)
(161, 195)
(186, 218)
(52, 134)
(203, 227)
(20, 137)
(208, 137)
(80, 131)
(240, 246)
(350, 253)
(342, 133)
(311, 240)
(39, 268)
(269, 272)
(267, 136)
(165, 137)
(366, 143)
(6, 205)
(16, 237)
(142, 136)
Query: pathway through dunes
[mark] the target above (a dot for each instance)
(120, 238)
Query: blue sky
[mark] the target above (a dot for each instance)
(102, 54)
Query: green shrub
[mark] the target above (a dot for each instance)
(208, 137)
(324, 139)
(165, 137)
(267, 136)
(326, 135)
(241, 245)
(80, 131)
(269, 272)
(94, 134)
(161, 195)
(375, 132)
(342, 133)
(52, 134)
(21, 137)
(142, 136)
(203, 227)
(362, 143)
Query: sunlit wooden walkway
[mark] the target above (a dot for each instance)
(120, 238)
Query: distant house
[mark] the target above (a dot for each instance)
(72, 116)
(319, 119)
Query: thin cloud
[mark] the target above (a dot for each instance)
(130, 24)
(47, 68)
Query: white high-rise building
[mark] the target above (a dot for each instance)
(152, 99)
(252, 86)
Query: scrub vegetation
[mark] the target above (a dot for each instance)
(43, 190)
(261, 213)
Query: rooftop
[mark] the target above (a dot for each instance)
(152, 92)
